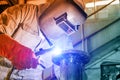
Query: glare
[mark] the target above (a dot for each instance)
(56, 51)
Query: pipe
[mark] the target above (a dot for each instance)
(71, 64)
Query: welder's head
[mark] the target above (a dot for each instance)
(62, 17)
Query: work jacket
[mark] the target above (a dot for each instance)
(21, 22)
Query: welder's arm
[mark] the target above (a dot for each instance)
(20, 56)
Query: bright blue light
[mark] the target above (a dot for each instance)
(56, 51)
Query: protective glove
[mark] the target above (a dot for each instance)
(20, 56)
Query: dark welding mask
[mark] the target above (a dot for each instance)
(63, 17)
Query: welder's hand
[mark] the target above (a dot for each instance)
(24, 59)
(20, 56)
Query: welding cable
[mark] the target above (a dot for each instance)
(49, 42)
(40, 63)
(42, 66)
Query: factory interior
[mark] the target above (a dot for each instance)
(98, 37)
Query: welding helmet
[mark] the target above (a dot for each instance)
(63, 17)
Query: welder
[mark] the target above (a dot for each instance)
(28, 29)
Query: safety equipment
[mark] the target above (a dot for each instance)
(20, 56)
(61, 18)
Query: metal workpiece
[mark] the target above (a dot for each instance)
(71, 64)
